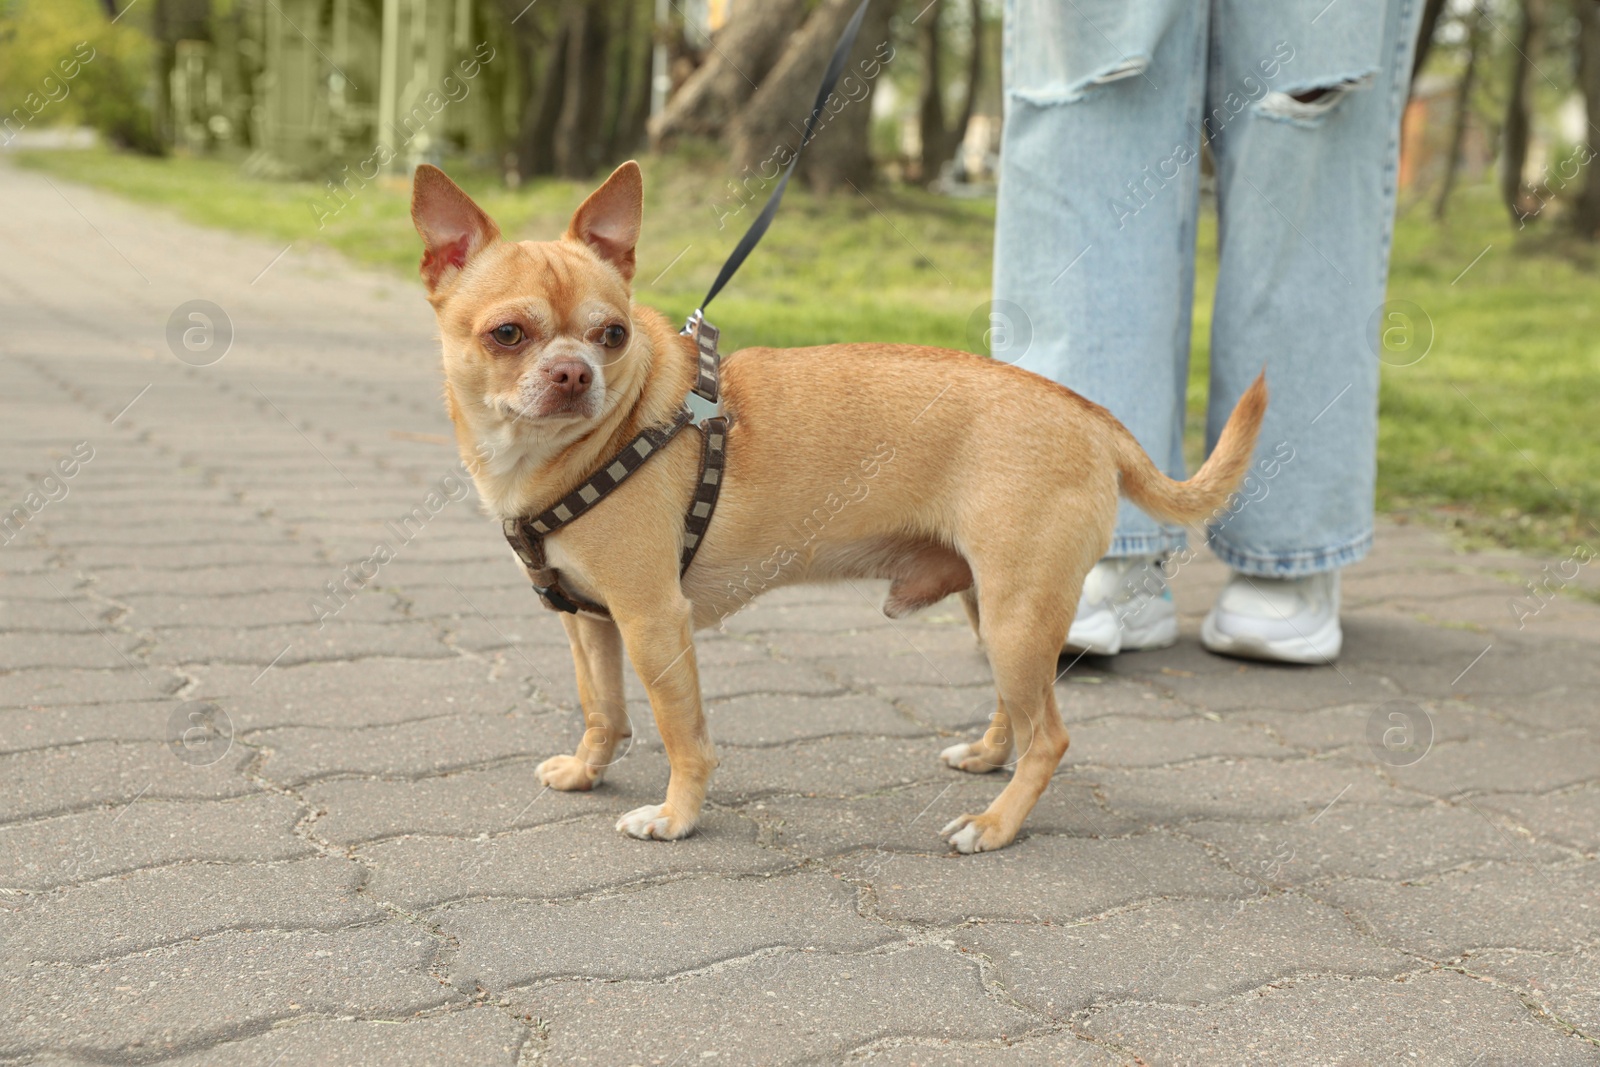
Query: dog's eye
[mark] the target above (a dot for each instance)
(613, 336)
(508, 335)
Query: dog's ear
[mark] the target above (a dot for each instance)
(609, 220)
(453, 228)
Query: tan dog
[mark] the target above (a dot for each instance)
(941, 471)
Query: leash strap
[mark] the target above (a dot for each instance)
(758, 228)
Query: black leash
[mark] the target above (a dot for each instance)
(758, 228)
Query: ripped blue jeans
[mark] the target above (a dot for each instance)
(1106, 105)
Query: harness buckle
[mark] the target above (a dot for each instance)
(554, 599)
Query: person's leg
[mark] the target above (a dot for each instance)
(1094, 239)
(1303, 114)
(1094, 234)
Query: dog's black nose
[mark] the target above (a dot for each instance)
(570, 376)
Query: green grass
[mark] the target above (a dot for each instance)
(1495, 432)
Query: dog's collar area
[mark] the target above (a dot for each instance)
(526, 534)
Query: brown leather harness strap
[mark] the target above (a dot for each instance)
(713, 457)
(526, 534)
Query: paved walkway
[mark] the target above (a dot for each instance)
(231, 834)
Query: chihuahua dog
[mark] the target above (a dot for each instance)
(941, 471)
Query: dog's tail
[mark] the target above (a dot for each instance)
(1202, 495)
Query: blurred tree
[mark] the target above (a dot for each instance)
(939, 142)
(579, 128)
(1518, 124)
(1462, 112)
(1431, 10)
(172, 21)
(64, 62)
(1586, 211)
(541, 47)
(707, 102)
(770, 125)
(625, 130)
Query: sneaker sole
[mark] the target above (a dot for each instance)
(1315, 649)
(1096, 641)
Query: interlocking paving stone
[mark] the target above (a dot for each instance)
(42, 726)
(1434, 1018)
(654, 931)
(1125, 741)
(1186, 951)
(1567, 986)
(474, 1037)
(299, 753)
(1343, 728)
(1391, 842)
(1054, 1050)
(1504, 760)
(909, 819)
(55, 685)
(199, 992)
(1061, 878)
(1497, 905)
(136, 911)
(46, 781)
(560, 860)
(365, 693)
(45, 853)
(830, 765)
(305, 643)
(384, 762)
(1243, 789)
(1187, 672)
(784, 1008)
(1557, 709)
(1570, 817)
(94, 651)
(773, 718)
(505, 797)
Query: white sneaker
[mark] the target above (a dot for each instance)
(1125, 607)
(1289, 620)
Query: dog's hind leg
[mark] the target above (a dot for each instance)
(969, 602)
(990, 752)
(1023, 633)
(597, 659)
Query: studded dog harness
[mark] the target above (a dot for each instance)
(526, 534)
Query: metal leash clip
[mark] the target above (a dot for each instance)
(705, 399)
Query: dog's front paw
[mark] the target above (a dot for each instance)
(976, 833)
(568, 774)
(656, 821)
(974, 758)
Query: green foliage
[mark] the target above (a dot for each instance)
(63, 62)
(1493, 431)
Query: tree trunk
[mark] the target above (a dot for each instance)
(620, 96)
(958, 133)
(1463, 109)
(742, 56)
(930, 112)
(636, 103)
(536, 138)
(1586, 211)
(579, 133)
(1431, 11)
(1517, 121)
(769, 127)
